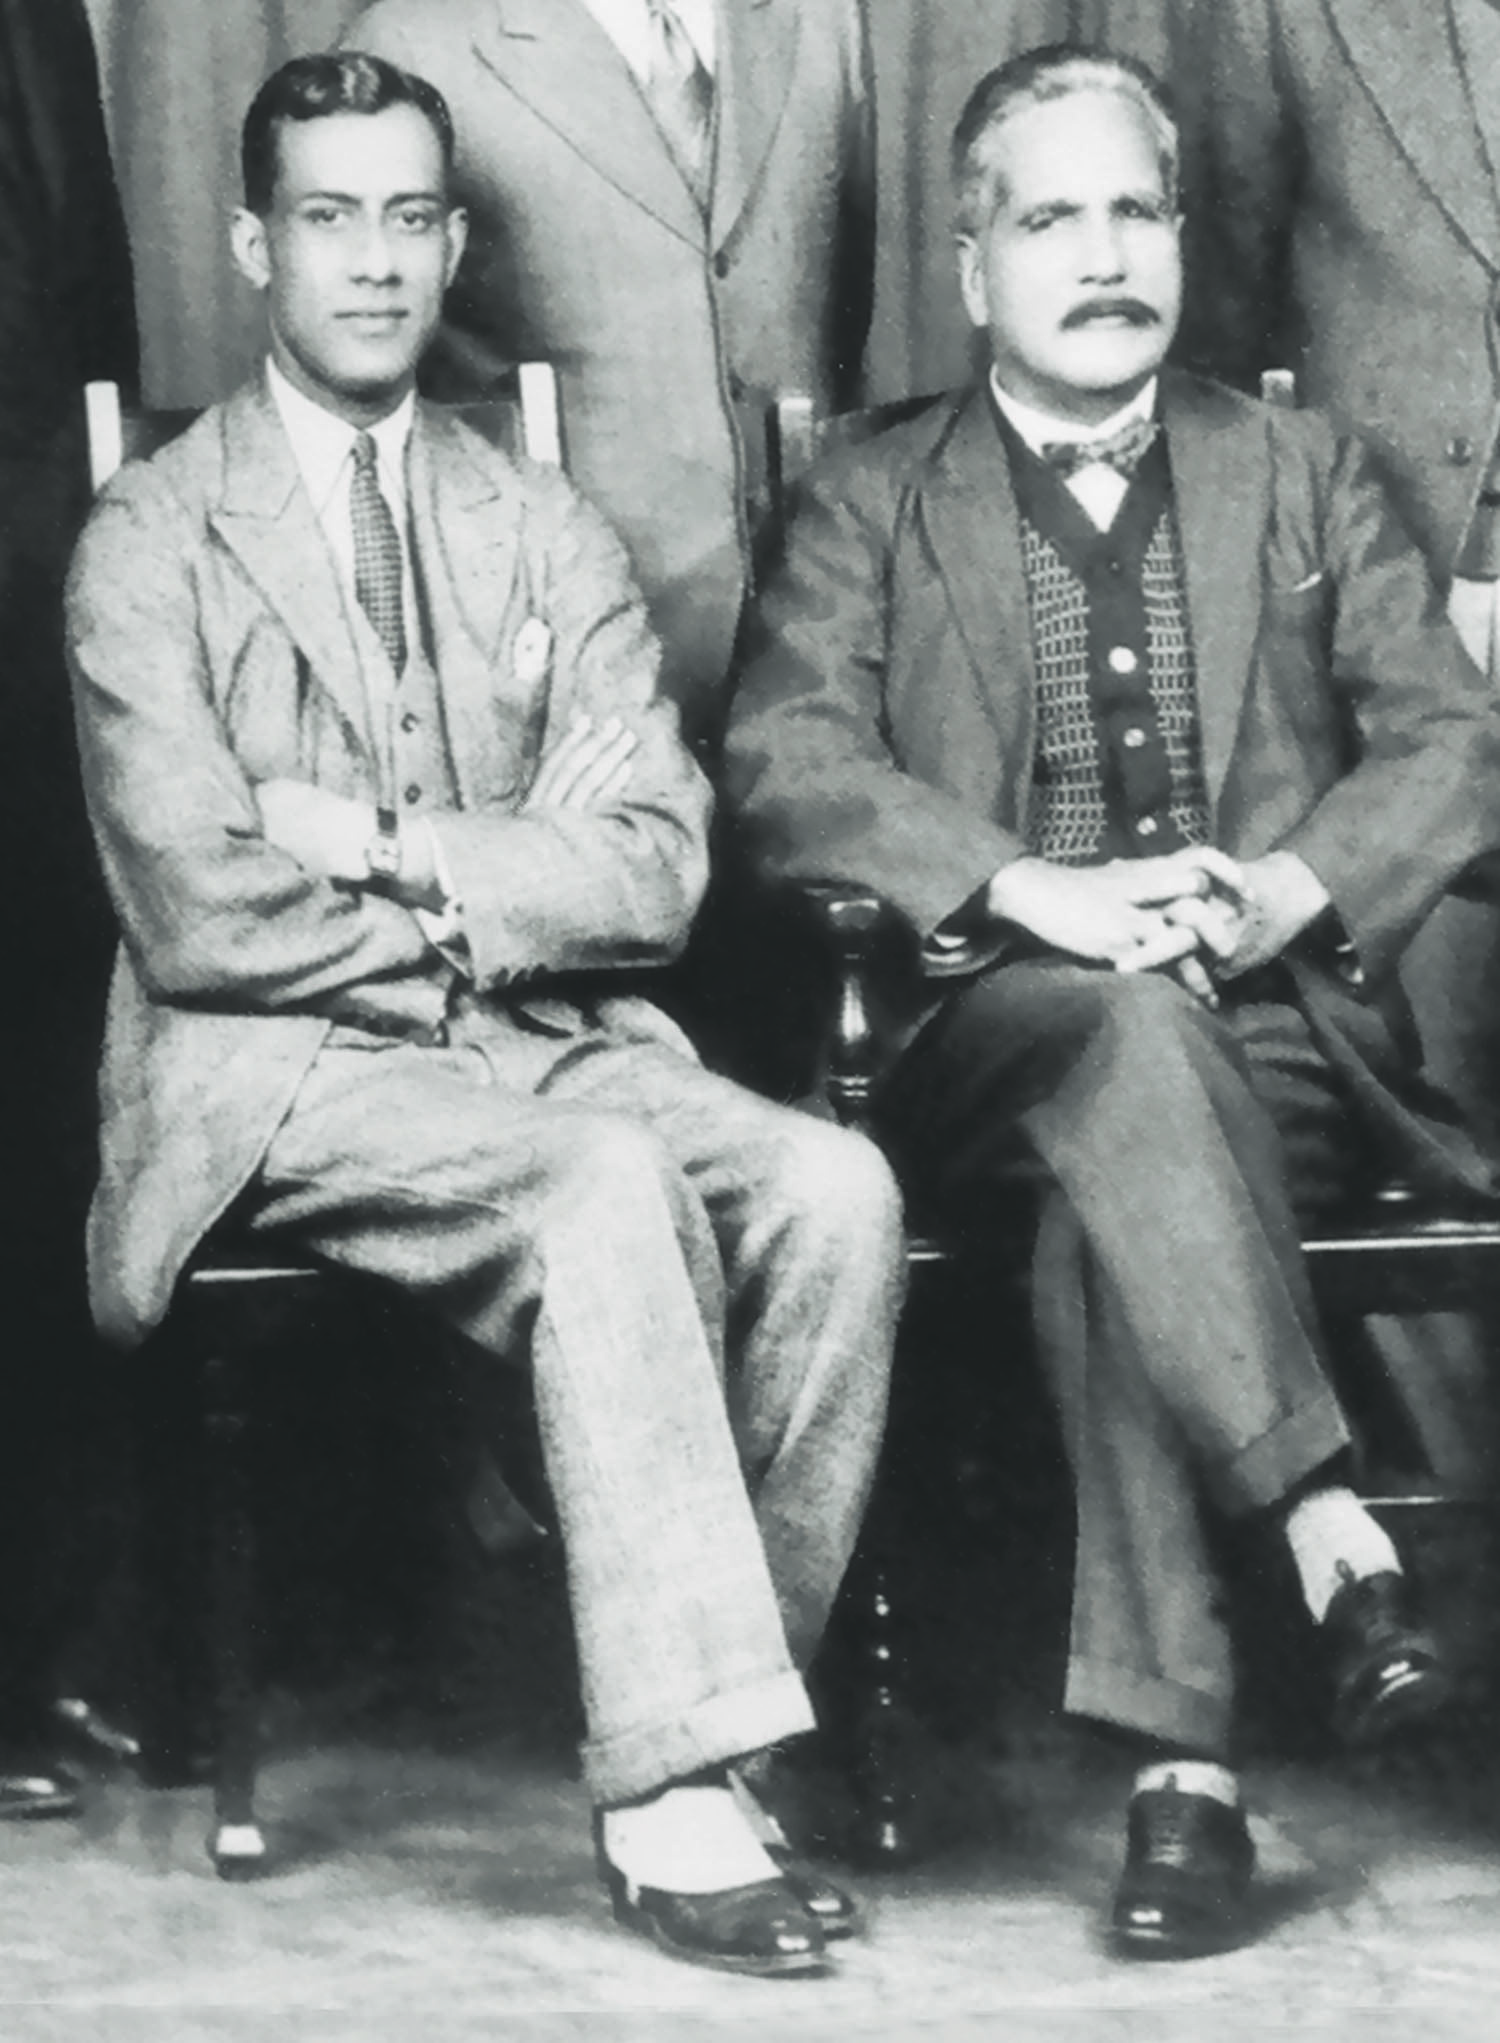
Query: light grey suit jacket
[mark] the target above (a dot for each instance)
(210, 650)
(669, 332)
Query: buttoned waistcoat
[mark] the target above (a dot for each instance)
(885, 731)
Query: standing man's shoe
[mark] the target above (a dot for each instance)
(1388, 1675)
(1186, 1884)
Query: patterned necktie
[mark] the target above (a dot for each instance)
(680, 94)
(377, 554)
(1123, 451)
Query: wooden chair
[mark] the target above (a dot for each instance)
(234, 1303)
(1390, 1252)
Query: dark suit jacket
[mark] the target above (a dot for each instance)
(669, 333)
(210, 650)
(885, 730)
(1347, 225)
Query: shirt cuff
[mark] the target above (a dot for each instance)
(444, 927)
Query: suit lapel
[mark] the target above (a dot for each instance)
(1221, 477)
(267, 521)
(755, 65)
(1406, 55)
(554, 57)
(465, 535)
(969, 511)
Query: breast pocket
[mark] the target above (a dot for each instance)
(1295, 658)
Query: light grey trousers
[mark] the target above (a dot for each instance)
(705, 1286)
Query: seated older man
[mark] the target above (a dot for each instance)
(1132, 698)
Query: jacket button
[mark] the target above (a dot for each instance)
(414, 793)
(410, 721)
(1146, 827)
(721, 265)
(1460, 450)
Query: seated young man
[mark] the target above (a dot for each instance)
(1133, 700)
(391, 811)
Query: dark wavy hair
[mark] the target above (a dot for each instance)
(310, 88)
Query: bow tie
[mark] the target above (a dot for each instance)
(1123, 451)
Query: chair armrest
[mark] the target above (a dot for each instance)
(848, 919)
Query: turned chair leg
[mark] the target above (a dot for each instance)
(238, 1846)
(881, 1832)
(169, 1480)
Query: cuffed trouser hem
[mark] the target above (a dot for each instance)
(1260, 1475)
(641, 1761)
(1170, 1710)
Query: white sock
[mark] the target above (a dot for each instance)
(1190, 1777)
(1333, 1537)
(687, 1840)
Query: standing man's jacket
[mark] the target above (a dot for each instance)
(1346, 223)
(669, 332)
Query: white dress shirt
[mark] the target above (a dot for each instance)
(1099, 488)
(627, 24)
(324, 448)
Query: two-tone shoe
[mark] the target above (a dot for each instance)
(762, 1929)
(832, 1908)
(1386, 1670)
(1189, 1862)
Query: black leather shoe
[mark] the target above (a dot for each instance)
(1388, 1676)
(763, 1929)
(836, 1913)
(1186, 1883)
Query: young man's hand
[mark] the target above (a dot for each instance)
(328, 834)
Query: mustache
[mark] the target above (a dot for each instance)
(1136, 310)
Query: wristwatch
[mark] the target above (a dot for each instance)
(383, 852)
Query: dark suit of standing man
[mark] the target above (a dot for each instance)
(1349, 229)
(66, 315)
(1134, 700)
(674, 298)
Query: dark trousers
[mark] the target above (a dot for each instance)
(1174, 1319)
(60, 1492)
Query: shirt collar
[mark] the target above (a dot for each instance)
(1037, 428)
(322, 441)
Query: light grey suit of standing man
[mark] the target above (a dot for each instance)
(391, 809)
(673, 306)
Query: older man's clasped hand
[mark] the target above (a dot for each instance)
(1197, 913)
